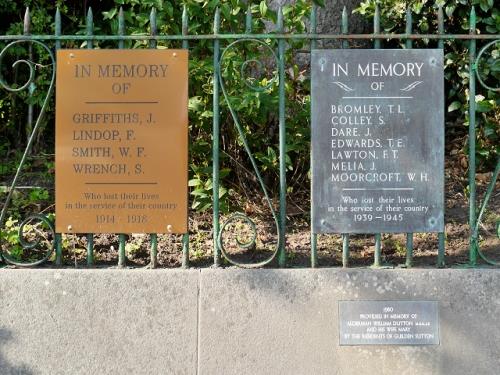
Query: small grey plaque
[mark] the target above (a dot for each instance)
(389, 323)
(377, 141)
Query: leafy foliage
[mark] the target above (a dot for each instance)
(256, 110)
(457, 17)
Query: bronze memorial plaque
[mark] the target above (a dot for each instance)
(121, 141)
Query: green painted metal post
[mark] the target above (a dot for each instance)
(153, 28)
(122, 258)
(153, 237)
(215, 140)
(472, 139)
(185, 236)
(90, 249)
(58, 244)
(376, 26)
(345, 27)
(31, 88)
(441, 235)
(89, 27)
(440, 26)
(121, 28)
(58, 239)
(121, 250)
(314, 236)
(377, 44)
(378, 251)
(153, 240)
(345, 236)
(409, 236)
(441, 247)
(185, 250)
(282, 141)
(90, 45)
(345, 250)
(185, 29)
(248, 20)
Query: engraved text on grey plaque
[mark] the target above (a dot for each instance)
(377, 141)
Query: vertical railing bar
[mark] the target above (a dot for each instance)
(121, 28)
(90, 28)
(57, 28)
(472, 139)
(58, 243)
(376, 26)
(58, 237)
(345, 27)
(215, 140)
(409, 236)
(441, 235)
(345, 236)
(441, 248)
(90, 249)
(90, 45)
(153, 237)
(153, 240)
(185, 236)
(313, 44)
(185, 20)
(153, 28)
(378, 250)
(121, 250)
(282, 141)
(27, 31)
(345, 250)
(377, 44)
(121, 237)
(409, 26)
(248, 19)
(440, 26)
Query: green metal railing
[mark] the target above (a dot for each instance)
(279, 37)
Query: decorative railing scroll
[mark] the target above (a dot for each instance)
(36, 227)
(251, 74)
(491, 186)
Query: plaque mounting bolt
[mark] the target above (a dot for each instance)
(174, 54)
(70, 228)
(169, 228)
(72, 55)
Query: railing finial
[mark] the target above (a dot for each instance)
(27, 21)
(217, 20)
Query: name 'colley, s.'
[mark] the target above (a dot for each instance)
(377, 69)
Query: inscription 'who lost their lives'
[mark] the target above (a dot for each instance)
(121, 141)
(377, 141)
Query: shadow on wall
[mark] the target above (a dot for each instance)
(7, 368)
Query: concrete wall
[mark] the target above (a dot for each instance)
(236, 322)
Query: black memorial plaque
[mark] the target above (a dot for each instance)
(377, 141)
(388, 323)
